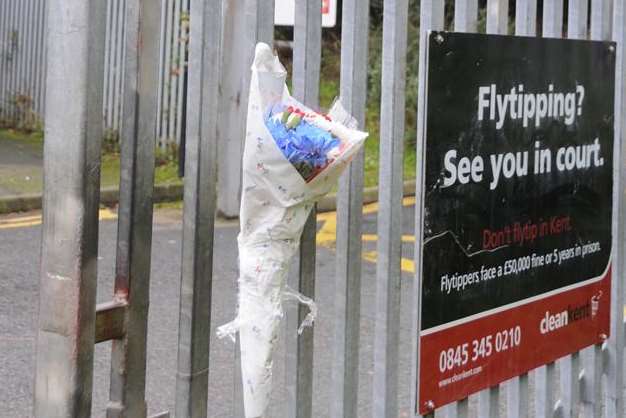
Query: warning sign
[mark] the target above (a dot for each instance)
(518, 184)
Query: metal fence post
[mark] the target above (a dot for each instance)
(65, 339)
(233, 97)
(299, 349)
(553, 19)
(199, 210)
(431, 18)
(4, 64)
(134, 236)
(568, 405)
(43, 57)
(591, 358)
(246, 22)
(517, 388)
(497, 23)
(465, 20)
(545, 375)
(4, 34)
(497, 16)
(601, 19)
(577, 17)
(465, 15)
(526, 18)
(614, 393)
(258, 20)
(389, 229)
(353, 92)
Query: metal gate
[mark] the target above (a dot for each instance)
(590, 382)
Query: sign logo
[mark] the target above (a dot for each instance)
(595, 303)
(552, 322)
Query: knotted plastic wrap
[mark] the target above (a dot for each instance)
(292, 157)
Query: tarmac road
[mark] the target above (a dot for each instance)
(19, 277)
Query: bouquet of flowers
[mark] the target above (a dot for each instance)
(292, 157)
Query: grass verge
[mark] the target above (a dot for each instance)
(21, 172)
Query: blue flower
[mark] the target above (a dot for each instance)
(306, 146)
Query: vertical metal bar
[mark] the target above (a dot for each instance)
(134, 235)
(192, 377)
(568, 404)
(465, 20)
(7, 82)
(307, 52)
(497, 23)
(25, 51)
(553, 19)
(238, 50)
(109, 80)
(39, 58)
(232, 111)
(258, 20)
(32, 52)
(498, 17)
(458, 409)
(577, 17)
(465, 15)
(119, 64)
(299, 349)
(65, 340)
(590, 378)
(18, 40)
(11, 60)
(544, 391)
(431, 18)
(3, 60)
(259, 23)
(570, 368)
(517, 397)
(28, 48)
(38, 62)
(238, 407)
(174, 73)
(526, 17)
(21, 47)
(518, 388)
(353, 92)
(15, 36)
(614, 390)
(199, 210)
(44, 54)
(601, 19)
(19, 55)
(34, 45)
(27, 28)
(162, 73)
(389, 246)
(182, 57)
(307, 55)
(116, 68)
(32, 49)
(36, 55)
(167, 41)
(489, 402)
(107, 65)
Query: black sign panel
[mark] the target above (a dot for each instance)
(517, 202)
